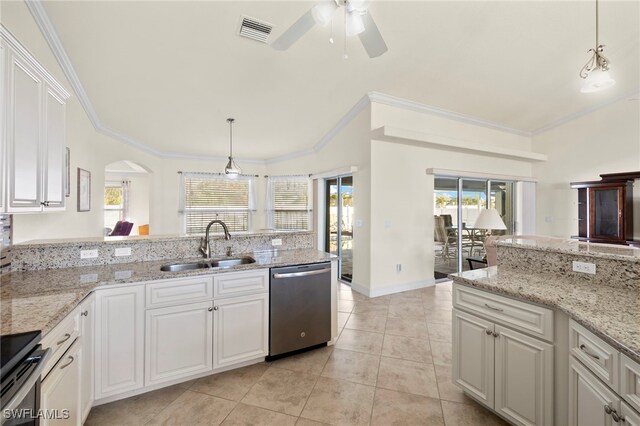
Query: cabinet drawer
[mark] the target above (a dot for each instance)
(597, 355)
(240, 283)
(630, 381)
(186, 290)
(531, 319)
(61, 338)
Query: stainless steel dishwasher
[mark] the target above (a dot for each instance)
(300, 307)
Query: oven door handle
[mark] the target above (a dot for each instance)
(28, 384)
(301, 274)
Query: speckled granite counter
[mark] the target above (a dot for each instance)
(38, 300)
(613, 313)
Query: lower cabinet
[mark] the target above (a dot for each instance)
(119, 341)
(179, 342)
(508, 371)
(630, 417)
(590, 401)
(60, 394)
(87, 334)
(241, 329)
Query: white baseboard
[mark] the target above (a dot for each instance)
(392, 289)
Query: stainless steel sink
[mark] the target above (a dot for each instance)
(228, 263)
(219, 263)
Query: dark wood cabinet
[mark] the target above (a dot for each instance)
(605, 208)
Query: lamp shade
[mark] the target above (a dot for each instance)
(489, 219)
(597, 80)
(323, 12)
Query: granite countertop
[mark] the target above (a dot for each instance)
(39, 300)
(611, 313)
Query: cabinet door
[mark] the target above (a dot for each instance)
(473, 356)
(630, 416)
(87, 336)
(60, 391)
(3, 122)
(588, 397)
(179, 342)
(523, 378)
(54, 151)
(23, 141)
(241, 329)
(119, 340)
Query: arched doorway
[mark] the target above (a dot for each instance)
(127, 196)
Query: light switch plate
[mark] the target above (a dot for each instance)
(584, 267)
(88, 254)
(123, 251)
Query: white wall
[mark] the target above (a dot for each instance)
(605, 141)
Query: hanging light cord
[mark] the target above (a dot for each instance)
(230, 120)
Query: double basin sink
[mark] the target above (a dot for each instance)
(228, 262)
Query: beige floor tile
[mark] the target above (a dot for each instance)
(456, 414)
(391, 408)
(409, 327)
(431, 304)
(195, 409)
(440, 316)
(343, 317)
(339, 402)
(352, 366)
(345, 305)
(405, 297)
(441, 352)
(281, 390)
(407, 310)
(406, 348)
(136, 410)
(367, 322)
(368, 307)
(408, 376)
(307, 422)
(439, 332)
(448, 391)
(360, 341)
(247, 415)
(232, 384)
(311, 362)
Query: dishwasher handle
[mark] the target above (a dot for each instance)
(301, 274)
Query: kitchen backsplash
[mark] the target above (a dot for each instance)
(5, 242)
(65, 254)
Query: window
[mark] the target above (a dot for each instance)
(113, 203)
(288, 203)
(209, 196)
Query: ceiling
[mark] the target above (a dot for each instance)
(168, 74)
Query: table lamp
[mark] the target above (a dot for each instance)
(489, 219)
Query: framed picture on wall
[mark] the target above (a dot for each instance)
(67, 165)
(84, 190)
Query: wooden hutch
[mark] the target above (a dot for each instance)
(605, 209)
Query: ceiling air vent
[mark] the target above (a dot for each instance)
(254, 29)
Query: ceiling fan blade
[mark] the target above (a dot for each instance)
(371, 38)
(297, 30)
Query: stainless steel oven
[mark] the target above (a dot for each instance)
(21, 362)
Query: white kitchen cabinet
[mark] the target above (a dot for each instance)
(179, 342)
(87, 335)
(588, 397)
(3, 109)
(33, 123)
(630, 417)
(60, 391)
(241, 329)
(473, 355)
(119, 343)
(523, 378)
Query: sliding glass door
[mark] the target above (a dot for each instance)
(458, 202)
(339, 223)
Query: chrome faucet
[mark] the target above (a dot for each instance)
(205, 246)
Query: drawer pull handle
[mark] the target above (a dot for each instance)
(210, 309)
(584, 349)
(69, 363)
(493, 308)
(489, 332)
(607, 409)
(496, 334)
(67, 336)
(616, 417)
(84, 313)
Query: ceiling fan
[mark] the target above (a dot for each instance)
(358, 21)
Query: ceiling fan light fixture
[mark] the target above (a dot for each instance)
(323, 12)
(355, 25)
(231, 169)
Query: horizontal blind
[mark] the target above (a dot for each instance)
(290, 204)
(209, 197)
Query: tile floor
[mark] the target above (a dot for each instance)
(390, 366)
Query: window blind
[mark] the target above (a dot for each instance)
(211, 196)
(289, 203)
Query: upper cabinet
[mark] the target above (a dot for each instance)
(32, 141)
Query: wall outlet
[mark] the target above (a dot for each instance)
(276, 242)
(88, 278)
(88, 254)
(399, 267)
(584, 267)
(123, 251)
(123, 275)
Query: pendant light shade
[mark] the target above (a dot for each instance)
(597, 80)
(231, 170)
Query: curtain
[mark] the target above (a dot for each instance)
(125, 199)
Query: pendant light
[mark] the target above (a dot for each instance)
(231, 170)
(595, 73)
